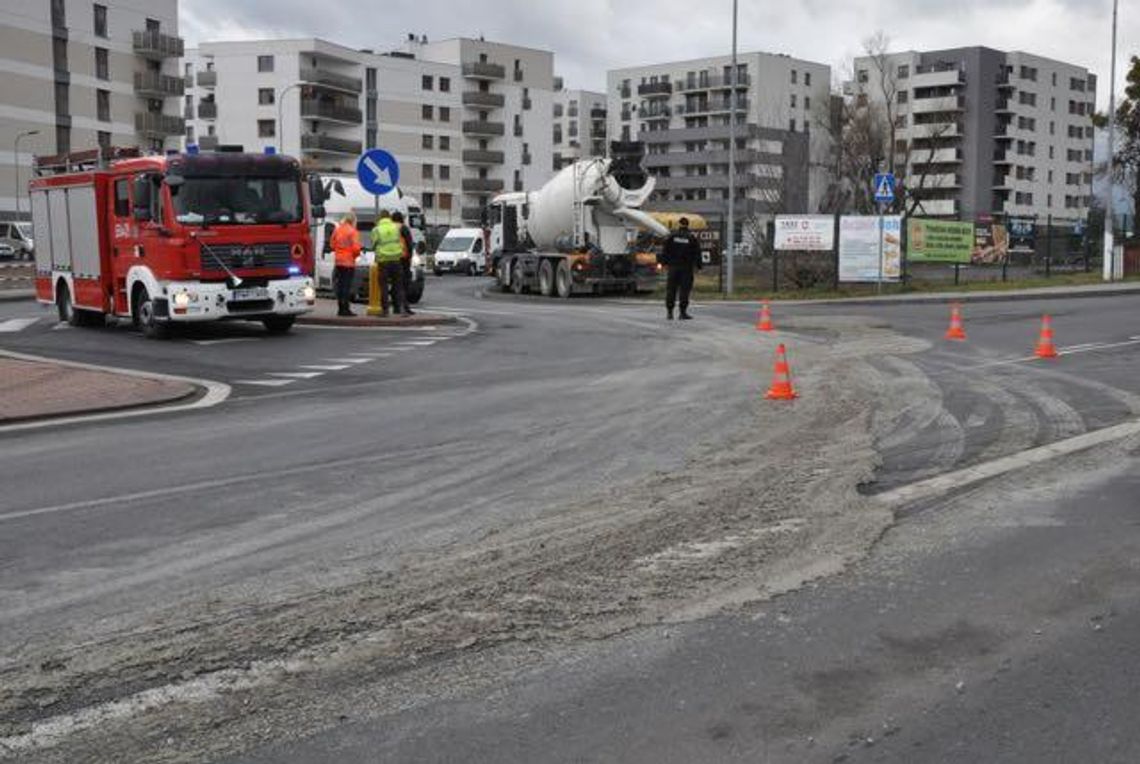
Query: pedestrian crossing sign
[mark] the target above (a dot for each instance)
(884, 187)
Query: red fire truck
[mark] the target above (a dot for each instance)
(176, 238)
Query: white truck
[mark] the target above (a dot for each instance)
(344, 194)
(577, 232)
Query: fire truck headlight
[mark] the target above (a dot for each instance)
(308, 294)
(181, 300)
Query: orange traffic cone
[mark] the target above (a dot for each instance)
(764, 321)
(781, 389)
(1045, 347)
(956, 332)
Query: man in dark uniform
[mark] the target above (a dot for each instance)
(406, 259)
(681, 254)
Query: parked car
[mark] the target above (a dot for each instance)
(17, 236)
(461, 251)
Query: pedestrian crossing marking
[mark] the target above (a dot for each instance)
(265, 382)
(17, 324)
(338, 367)
(296, 374)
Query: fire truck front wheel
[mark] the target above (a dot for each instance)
(278, 324)
(146, 317)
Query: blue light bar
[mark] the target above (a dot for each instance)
(294, 270)
(270, 150)
(191, 148)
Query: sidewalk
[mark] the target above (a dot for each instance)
(41, 390)
(325, 315)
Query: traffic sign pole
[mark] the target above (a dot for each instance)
(883, 188)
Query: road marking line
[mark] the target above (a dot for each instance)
(1072, 350)
(224, 341)
(937, 486)
(297, 374)
(338, 367)
(17, 324)
(265, 382)
(416, 343)
(216, 392)
(374, 356)
(348, 360)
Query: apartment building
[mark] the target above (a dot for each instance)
(981, 131)
(326, 103)
(80, 74)
(579, 125)
(507, 98)
(681, 110)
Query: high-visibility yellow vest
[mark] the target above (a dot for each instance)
(386, 241)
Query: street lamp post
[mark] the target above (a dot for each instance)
(280, 118)
(731, 233)
(16, 161)
(1109, 266)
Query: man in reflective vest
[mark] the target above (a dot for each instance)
(389, 248)
(345, 244)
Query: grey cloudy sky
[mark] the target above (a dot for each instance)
(590, 36)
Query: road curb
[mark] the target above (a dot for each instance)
(14, 295)
(204, 393)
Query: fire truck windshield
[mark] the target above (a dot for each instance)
(237, 200)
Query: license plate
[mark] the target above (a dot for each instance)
(253, 293)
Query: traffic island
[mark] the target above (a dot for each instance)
(325, 315)
(42, 390)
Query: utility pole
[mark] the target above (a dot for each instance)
(731, 233)
(16, 162)
(1109, 270)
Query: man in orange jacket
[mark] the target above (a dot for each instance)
(345, 244)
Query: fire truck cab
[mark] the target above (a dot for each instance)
(170, 239)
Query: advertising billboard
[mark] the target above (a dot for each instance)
(805, 233)
(939, 241)
(870, 248)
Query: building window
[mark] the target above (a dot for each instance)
(444, 113)
(100, 20)
(445, 172)
(1026, 98)
(428, 172)
(807, 79)
(793, 100)
(862, 76)
(426, 82)
(903, 71)
(265, 63)
(807, 103)
(428, 142)
(792, 125)
(795, 77)
(266, 128)
(444, 143)
(445, 201)
(265, 96)
(427, 112)
(102, 67)
(445, 84)
(103, 105)
(429, 201)
(104, 139)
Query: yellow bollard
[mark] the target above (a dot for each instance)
(374, 308)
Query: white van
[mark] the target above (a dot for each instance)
(461, 251)
(16, 240)
(347, 194)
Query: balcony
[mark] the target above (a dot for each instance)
(482, 70)
(334, 112)
(711, 83)
(598, 131)
(680, 158)
(482, 157)
(157, 85)
(152, 44)
(1003, 181)
(330, 145)
(481, 100)
(931, 105)
(720, 180)
(1003, 131)
(207, 110)
(207, 78)
(1003, 106)
(1003, 82)
(1001, 156)
(942, 182)
(937, 78)
(208, 142)
(597, 113)
(483, 127)
(325, 78)
(940, 207)
(482, 185)
(945, 156)
(656, 112)
(160, 125)
(713, 107)
(625, 92)
(655, 89)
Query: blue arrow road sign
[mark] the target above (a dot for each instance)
(378, 171)
(884, 187)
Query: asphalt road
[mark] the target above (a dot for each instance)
(993, 625)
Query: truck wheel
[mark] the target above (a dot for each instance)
(517, 280)
(504, 275)
(151, 327)
(563, 280)
(278, 324)
(415, 294)
(63, 305)
(546, 278)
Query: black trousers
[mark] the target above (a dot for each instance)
(392, 293)
(342, 281)
(678, 280)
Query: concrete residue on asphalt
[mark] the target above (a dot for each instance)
(772, 506)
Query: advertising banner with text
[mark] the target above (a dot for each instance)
(805, 233)
(870, 248)
(939, 241)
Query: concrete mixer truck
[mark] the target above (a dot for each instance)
(577, 232)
